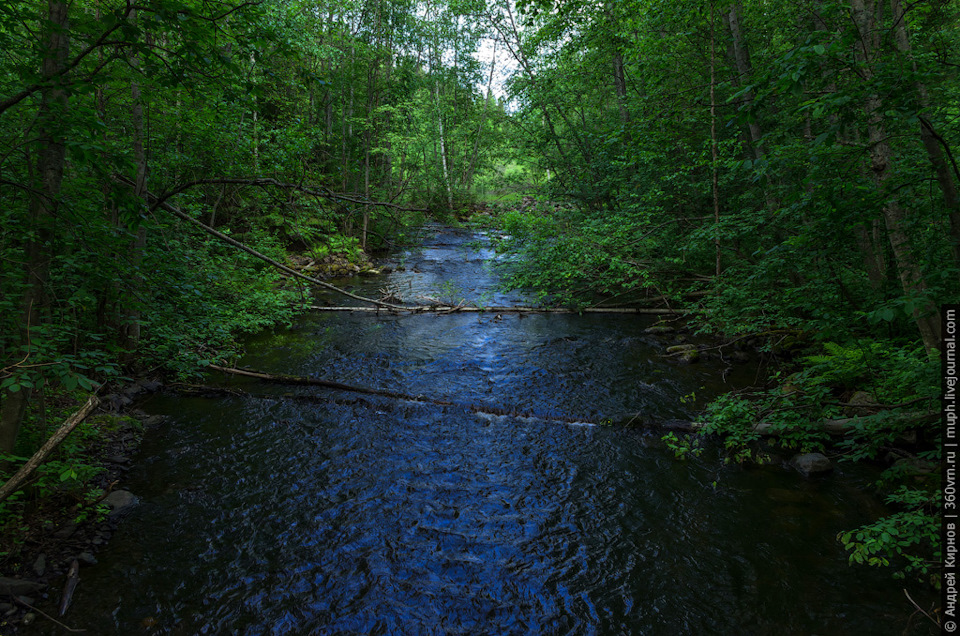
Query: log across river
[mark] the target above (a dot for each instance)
(270, 515)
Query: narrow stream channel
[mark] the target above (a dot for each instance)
(344, 515)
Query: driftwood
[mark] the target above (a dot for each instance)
(73, 578)
(61, 434)
(249, 250)
(451, 309)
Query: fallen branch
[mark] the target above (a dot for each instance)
(249, 250)
(451, 309)
(20, 601)
(635, 421)
(301, 381)
(65, 429)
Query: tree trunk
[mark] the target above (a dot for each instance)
(130, 311)
(894, 215)
(471, 166)
(930, 142)
(51, 160)
(713, 140)
(741, 57)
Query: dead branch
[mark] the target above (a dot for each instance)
(302, 381)
(65, 429)
(249, 250)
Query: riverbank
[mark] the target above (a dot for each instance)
(70, 509)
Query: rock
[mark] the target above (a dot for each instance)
(687, 353)
(659, 329)
(66, 531)
(151, 385)
(120, 500)
(689, 357)
(132, 390)
(370, 272)
(118, 401)
(386, 269)
(40, 565)
(28, 618)
(860, 404)
(16, 587)
(812, 464)
(118, 459)
(154, 420)
(5, 607)
(86, 557)
(914, 466)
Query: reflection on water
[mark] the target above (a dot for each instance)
(347, 515)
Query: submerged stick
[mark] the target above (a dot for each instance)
(636, 421)
(451, 309)
(302, 381)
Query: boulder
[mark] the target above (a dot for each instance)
(860, 403)
(659, 329)
(120, 501)
(18, 587)
(686, 353)
(689, 357)
(40, 565)
(812, 464)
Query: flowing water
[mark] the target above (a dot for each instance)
(346, 515)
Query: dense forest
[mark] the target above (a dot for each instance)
(783, 174)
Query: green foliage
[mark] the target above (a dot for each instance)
(348, 246)
(683, 447)
(909, 540)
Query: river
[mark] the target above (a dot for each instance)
(342, 514)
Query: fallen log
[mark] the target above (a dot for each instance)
(451, 309)
(51, 444)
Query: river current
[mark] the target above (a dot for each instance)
(308, 511)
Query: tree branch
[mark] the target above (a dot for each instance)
(263, 182)
(51, 444)
(249, 250)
